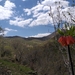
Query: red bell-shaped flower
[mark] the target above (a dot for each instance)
(66, 40)
(70, 40)
(62, 41)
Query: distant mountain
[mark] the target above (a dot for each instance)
(37, 38)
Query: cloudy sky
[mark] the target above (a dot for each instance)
(28, 18)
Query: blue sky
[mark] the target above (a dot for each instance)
(26, 18)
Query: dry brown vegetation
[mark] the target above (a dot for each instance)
(43, 57)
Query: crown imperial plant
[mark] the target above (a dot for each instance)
(66, 40)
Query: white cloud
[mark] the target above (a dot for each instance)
(42, 19)
(37, 9)
(0, 0)
(20, 22)
(37, 12)
(27, 11)
(6, 10)
(7, 30)
(46, 8)
(69, 18)
(41, 35)
(9, 5)
(63, 3)
(34, 10)
(63, 7)
(40, 12)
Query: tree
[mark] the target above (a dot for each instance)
(57, 21)
(63, 18)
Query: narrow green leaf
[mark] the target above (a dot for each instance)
(60, 32)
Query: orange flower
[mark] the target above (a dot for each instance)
(62, 41)
(66, 40)
(70, 40)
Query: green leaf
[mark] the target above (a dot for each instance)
(60, 32)
(72, 30)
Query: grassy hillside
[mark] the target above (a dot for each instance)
(10, 68)
(19, 56)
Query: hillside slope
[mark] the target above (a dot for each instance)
(39, 57)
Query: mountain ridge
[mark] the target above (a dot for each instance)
(38, 38)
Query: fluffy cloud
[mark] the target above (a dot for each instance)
(37, 9)
(41, 35)
(60, 10)
(6, 10)
(34, 10)
(9, 5)
(20, 22)
(42, 19)
(27, 11)
(7, 30)
(54, 3)
(69, 14)
(40, 12)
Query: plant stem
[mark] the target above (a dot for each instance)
(70, 61)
